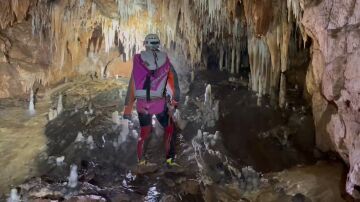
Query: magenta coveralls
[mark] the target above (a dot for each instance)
(149, 89)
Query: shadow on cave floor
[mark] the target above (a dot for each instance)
(265, 137)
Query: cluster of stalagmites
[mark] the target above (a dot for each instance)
(73, 189)
(214, 166)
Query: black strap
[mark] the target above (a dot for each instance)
(147, 84)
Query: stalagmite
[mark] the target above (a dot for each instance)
(115, 117)
(60, 160)
(181, 123)
(90, 142)
(52, 114)
(31, 103)
(14, 196)
(102, 69)
(199, 135)
(124, 131)
(59, 108)
(192, 76)
(73, 178)
(135, 134)
(216, 110)
(186, 100)
(208, 96)
(79, 138)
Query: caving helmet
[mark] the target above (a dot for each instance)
(152, 41)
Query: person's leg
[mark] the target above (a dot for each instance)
(169, 133)
(145, 125)
(171, 153)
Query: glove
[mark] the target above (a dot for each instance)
(174, 104)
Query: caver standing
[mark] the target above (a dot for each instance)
(155, 87)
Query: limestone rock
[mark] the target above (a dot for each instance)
(335, 66)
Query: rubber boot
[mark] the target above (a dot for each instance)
(144, 134)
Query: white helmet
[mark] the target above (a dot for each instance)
(152, 41)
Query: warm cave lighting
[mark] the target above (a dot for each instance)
(180, 100)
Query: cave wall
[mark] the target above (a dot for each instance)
(49, 40)
(333, 79)
(333, 76)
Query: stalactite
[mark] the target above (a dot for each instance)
(190, 24)
(238, 59)
(233, 55)
(93, 9)
(221, 60)
(272, 40)
(284, 47)
(260, 60)
(12, 11)
(20, 10)
(109, 31)
(282, 94)
(81, 3)
(268, 53)
(295, 7)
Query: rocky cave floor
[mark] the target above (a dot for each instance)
(260, 154)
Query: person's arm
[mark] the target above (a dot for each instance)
(173, 86)
(130, 98)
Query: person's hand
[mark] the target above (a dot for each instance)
(174, 104)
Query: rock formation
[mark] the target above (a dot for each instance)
(45, 41)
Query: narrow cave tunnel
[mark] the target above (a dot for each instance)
(225, 100)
